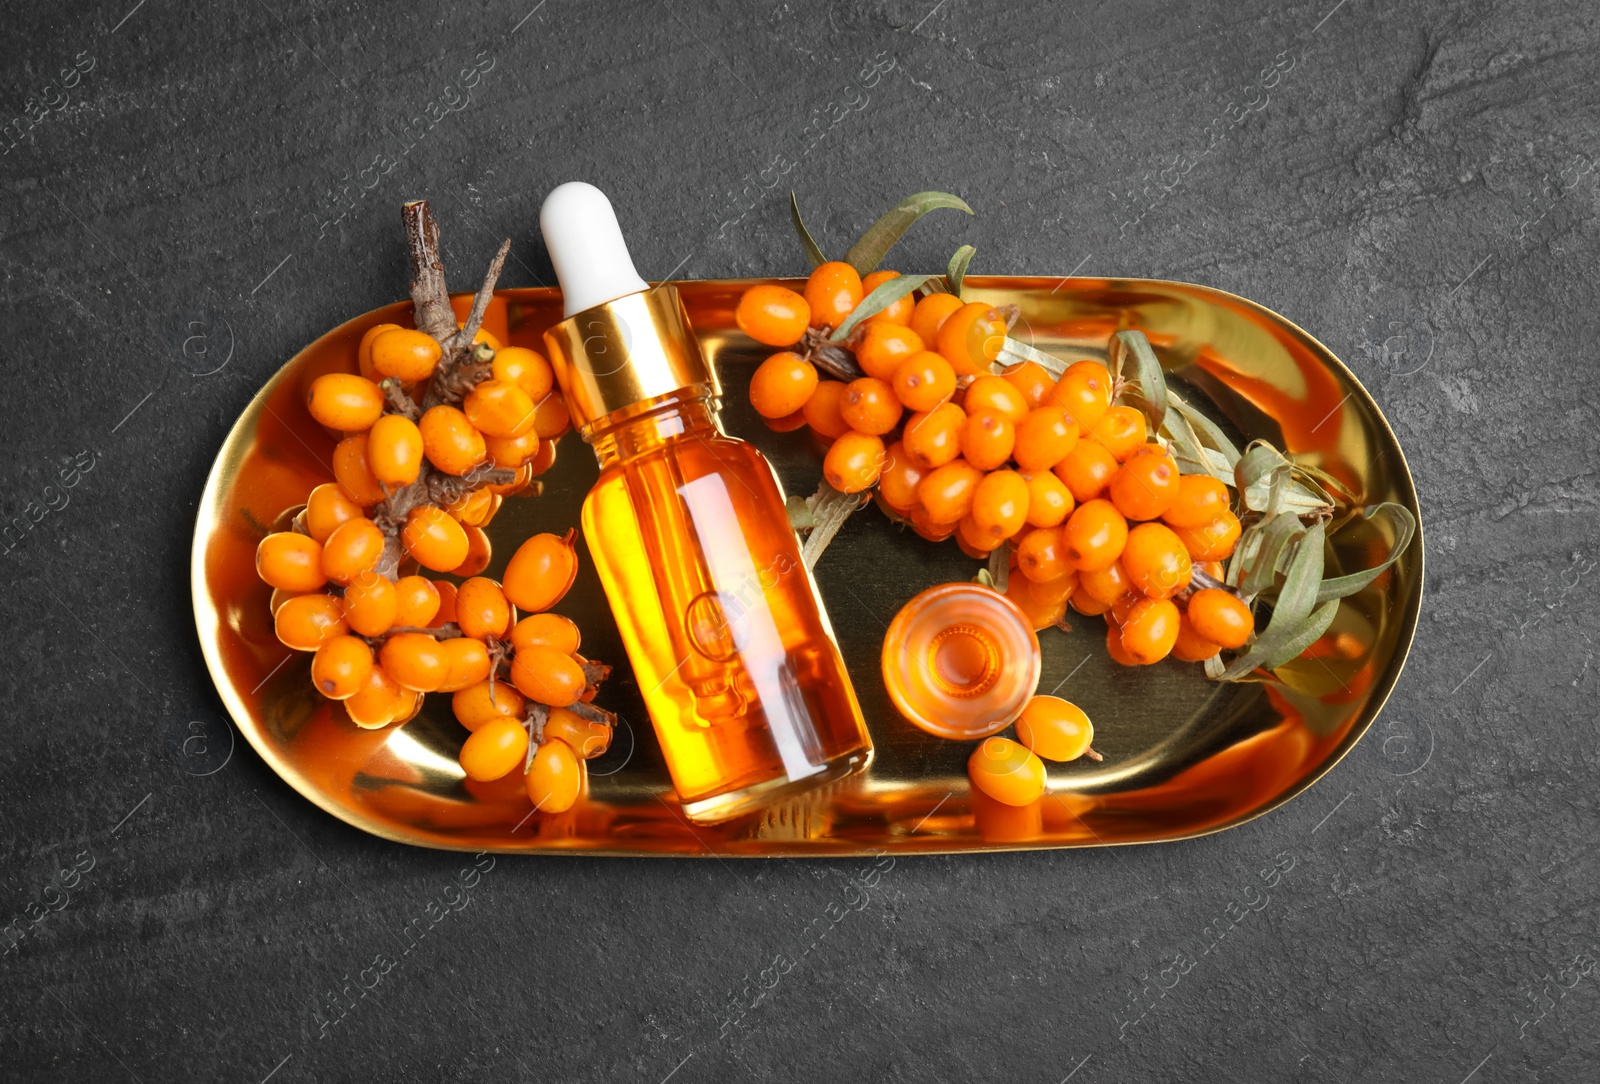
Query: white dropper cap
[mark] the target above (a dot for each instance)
(591, 258)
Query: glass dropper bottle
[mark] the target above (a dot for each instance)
(721, 620)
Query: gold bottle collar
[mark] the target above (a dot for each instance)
(635, 348)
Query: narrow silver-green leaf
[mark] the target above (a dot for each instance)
(1000, 568)
(812, 249)
(1299, 592)
(1261, 569)
(1405, 529)
(958, 268)
(1147, 373)
(868, 252)
(1193, 456)
(1210, 434)
(1291, 645)
(1014, 351)
(832, 508)
(882, 296)
(801, 517)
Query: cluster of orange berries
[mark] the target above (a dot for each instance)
(347, 579)
(1094, 510)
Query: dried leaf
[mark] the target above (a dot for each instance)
(1210, 435)
(1255, 475)
(868, 252)
(882, 296)
(831, 509)
(1274, 536)
(1000, 568)
(1405, 528)
(1014, 351)
(1147, 374)
(812, 249)
(801, 517)
(1192, 456)
(958, 268)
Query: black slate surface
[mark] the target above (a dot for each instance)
(218, 184)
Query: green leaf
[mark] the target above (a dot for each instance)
(812, 249)
(1013, 351)
(1210, 435)
(958, 268)
(1291, 645)
(801, 518)
(1299, 592)
(1405, 528)
(832, 508)
(1256, 474)
(868, 252)
(1147, 372)
(1193, 457)
(1261, 568)
(882, 296)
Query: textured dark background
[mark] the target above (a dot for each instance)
(1417, 191)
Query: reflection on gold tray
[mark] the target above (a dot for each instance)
(1183, 756)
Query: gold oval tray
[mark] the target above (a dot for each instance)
(1183, 756)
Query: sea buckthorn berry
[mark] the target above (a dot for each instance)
(1032, 380)
(279, 596)
(987, 439)
(782, 384)
(1084, 392)
(1094, 535)
(927, 528)
(379, 702)
(551, 418)
(394, 450)
(415, 661)
(898, 312)
(833, 291)
(772, 315)
(1108, 585)
(1122, 430)
(933, 439)
(345, 401)
(924, 380)
(1040, 612)
(546, 630)
(971, 337)
(974, 541)
(306, 622)
(494, 750)
(416, 602)
(477, 704)
(1114, 648)
(498, 408)
(1146, 484)
(1000, 504)
(545, 458)
(371, 603)
(354, 474)
(406, 355)
(479, 551)
(1214, 541)
(364, 351)
(327, 507)
(854, 462)
(1086, 469)
(1221, 617)
(513, 452)
(1049, 500)
(946, 493)
(447, 604)
(341, 667)
(1201, 499)
(1052, 592)
(548, 676)
(869, 406)
(585, 737)
(1156, 561)
(883, 348)
(290, 561)
(1006, 771)
(897, 483)
(1087, 604)
(930, 314)
(998, 394)
(450, 440)
(822, 410)
(1120, 609)
(435, 539)
(525, 368)
(482, 609)
(555, 778)
(1054, 728)
(467, 661)
(540, 572)
(1044, 437)
(1041, 556)
(1150, 629)
(1190, 646)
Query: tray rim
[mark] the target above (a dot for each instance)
(909, 846)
